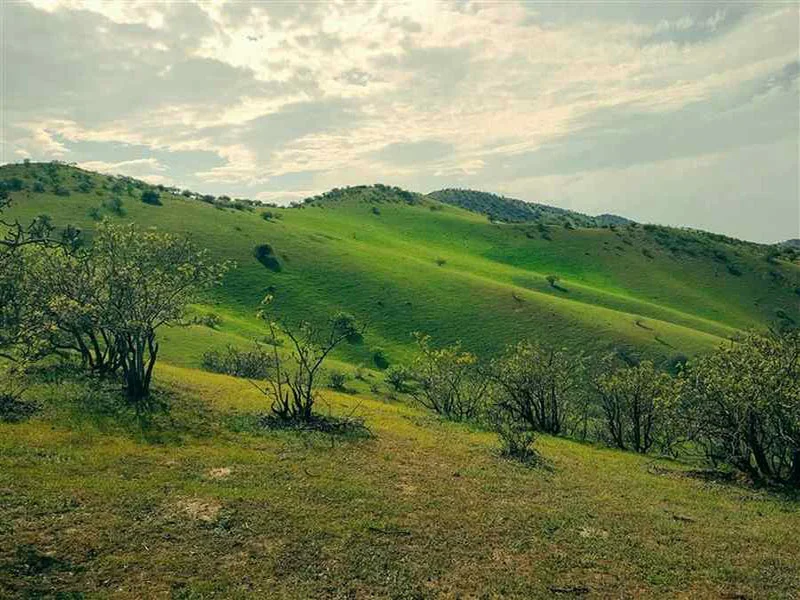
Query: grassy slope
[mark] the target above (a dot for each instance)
(491, 289)
(424, 509)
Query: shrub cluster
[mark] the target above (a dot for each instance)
(739, 407)
(254, 363)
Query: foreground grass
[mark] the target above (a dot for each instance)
(204, 504)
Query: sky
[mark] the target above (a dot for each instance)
(679, 113)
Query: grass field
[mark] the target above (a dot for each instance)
(199, 500)
(205, 505)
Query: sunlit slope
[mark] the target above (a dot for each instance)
(407, 263)
(205, 503)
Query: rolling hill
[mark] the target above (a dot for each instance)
(407, 262)
(200, 499)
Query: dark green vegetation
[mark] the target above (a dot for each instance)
(511, 210)
(203, 495)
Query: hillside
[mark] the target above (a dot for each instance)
(405, 262)
(511, 210)
(206, 504)
(202, 493)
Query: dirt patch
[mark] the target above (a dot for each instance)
(407, 489)
(200, 509)
(591, 532)
(219, 473)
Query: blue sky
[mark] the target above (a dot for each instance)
(669, 112)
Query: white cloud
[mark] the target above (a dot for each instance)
(140, 166)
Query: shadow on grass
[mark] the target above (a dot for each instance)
(730, 479)
(16, 410)
(348, 428)
(163, 418)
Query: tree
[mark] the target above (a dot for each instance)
(68, 295)
(151, 277)
(516, 437)
(151, 197)
(536, 385)
(293, 383)
(741, 405)
(448, 380)
(107, 301)
(16, 240)
(634, 402)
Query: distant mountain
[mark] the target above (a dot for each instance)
(793, 243)
(512, 210)
(609, 219)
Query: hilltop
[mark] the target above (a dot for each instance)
(409, 262)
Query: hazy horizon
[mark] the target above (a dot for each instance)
(683, 114)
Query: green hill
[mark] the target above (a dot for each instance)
(198, 498)
(405, 262)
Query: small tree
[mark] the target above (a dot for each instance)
(741, 404)
(151, 278)
(151, 197)
(397, 376)
(537, 385)
(293, 382)
(553, 280)
(634, 401)
(448, 380)
(516, 437)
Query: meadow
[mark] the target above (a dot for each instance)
(197, 498)
(430, 267)
(204, 504)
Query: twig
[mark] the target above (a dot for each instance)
(389, 531)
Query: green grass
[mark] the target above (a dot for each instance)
(203, 504)
(617, 288)
(198, 501)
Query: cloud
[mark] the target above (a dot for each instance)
(252, 98)
(139, 166)
(409, 153)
